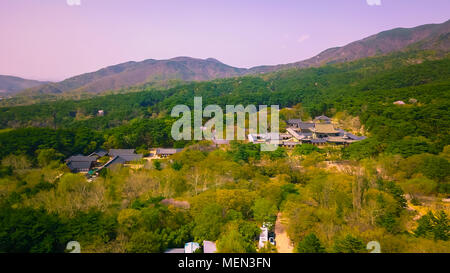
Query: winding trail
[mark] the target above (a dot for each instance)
(283, 242)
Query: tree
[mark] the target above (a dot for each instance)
(232, 241)
(434, 227)
(264, 210)
(17, 162)
(310, 244)
(208, 223)
(45, 156)
(27, 230)
(349, 244)
(306, 149)
(145, 242)
(157, 165)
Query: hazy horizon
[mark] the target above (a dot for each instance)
(54, 41)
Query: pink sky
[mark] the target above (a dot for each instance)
(50, 40)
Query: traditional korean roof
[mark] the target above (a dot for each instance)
(338, 139)
(115, 160)
(319, 140)
(79, 165)
(167, 151)
(325, 128)
(306, 125)
(290, 143)
(114, 152)
(99, 153)
(294, 121)
(81, 158)
(295, 134)
(322, 118)
(353, 137)
(129, 158)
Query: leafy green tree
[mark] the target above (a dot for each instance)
(310, 244)
(45, 156)
(208, 223)
(232, 241)
(157, 165)
(306, 149)
(145, 242)
(28, 230)
(264, 210)
(349, 244)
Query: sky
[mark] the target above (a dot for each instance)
(57, 39)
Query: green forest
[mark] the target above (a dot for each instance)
(388, 188)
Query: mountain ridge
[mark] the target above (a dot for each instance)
(9, 85)
(182, 68)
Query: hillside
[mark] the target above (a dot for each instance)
(365, 88)
(135, 73)
(10, 85)
(161, 73)
(424, 37)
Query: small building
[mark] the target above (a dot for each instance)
(99, 153)
(80, 163)
(263, 237)
(126, 155)
(268, 138)
(165, 152)
(285, 136)
(294, 123)
(101, 113)
(322, 119)
(317, 141)
(297, 135)
(306, 127)
(119, 152)
(323, 130)
(290, 144)
(266, 236)
(121, 156)
(114, 161)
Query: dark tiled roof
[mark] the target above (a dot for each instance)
(114, 152)
(294, 121)
(115, 160)
(79, 165)
(353, 137)
(306, 125)
(81, 158)
(322, 118)
(319, 140)
(167, 151)
(129, 158)
(100, 153)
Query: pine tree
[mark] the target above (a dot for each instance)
(310, 244)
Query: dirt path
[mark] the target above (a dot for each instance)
(283, 242)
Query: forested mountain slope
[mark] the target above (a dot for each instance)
(366, 88)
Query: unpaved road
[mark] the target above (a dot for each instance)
(283, 242)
